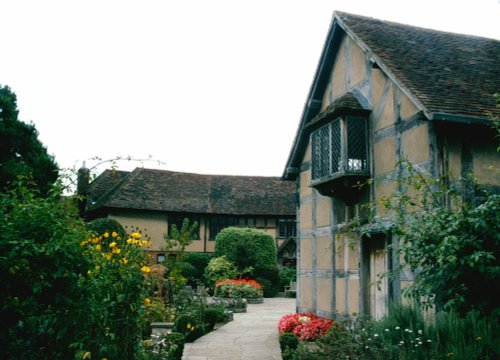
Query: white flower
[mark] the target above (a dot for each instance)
(420, 332)
(375, 335)
(397, 328)
(401, 342)
(386, 330)
(429, 340)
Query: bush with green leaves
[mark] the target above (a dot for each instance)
(288, 344)
(288, 274)
(199, 261)
(449, 241)
(103, 225)
(238, 288)
(42, 303)
(251, 248)
(163, 346)
(66, 292)
(406, 334)
(220, 268)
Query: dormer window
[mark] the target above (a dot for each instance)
(339, 144)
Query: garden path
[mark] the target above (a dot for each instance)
(250, 336)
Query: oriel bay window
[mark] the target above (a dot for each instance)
(339, 144)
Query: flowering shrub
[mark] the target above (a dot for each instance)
(306, 326)
(238, 288)
(116, 282)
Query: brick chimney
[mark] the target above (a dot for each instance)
(82, 187)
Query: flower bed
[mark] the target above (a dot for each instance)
(306, 326)
(239, 288)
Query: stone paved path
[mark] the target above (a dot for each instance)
(250, 336)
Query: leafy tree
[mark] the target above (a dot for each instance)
(21, 152)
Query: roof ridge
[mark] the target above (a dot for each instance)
(340, 14)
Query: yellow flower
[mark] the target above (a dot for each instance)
(136, 235)
(125, 261)
(116, 250)
(106, 234)
(104, 358)
(108, 256)
(97, 267)
(98, 247)
(89, 272)
(145, 269)
(112, 245)
(114, 234)
(87, 355)
(479, 338)
(189, 326)
(147, 301)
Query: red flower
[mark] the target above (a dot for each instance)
(306, 326)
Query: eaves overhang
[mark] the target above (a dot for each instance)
(314, 99)
(463, 119)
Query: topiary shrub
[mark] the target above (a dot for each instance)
(251, 248)
(288, 345)
(210, 317)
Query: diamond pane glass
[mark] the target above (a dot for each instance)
(356, 144)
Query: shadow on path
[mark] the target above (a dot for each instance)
(250, 336)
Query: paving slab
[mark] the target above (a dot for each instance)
(250, 336)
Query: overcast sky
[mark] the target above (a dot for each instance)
(214, 87)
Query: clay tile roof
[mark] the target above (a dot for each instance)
(352, 101)
(448, 73)
(160, 190)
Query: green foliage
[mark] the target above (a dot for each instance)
(188, 271)
(220, 268)
(339, 343)
(406, 335)
(199, 261)
(179, 239)
(247, 289)
(115, 304)
(41, 263)
(452, 244)
(161, 347)
(251, 248)
(65, 293)
(103, 225)
(287, 274)
(269, 277)
(190, 325)
(288, 344)
(246, 247)
(21, 152)
(210, 317)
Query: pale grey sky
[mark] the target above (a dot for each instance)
(213, 87)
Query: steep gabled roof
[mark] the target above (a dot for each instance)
(160, 190)
(448, 76)
(448, 73)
